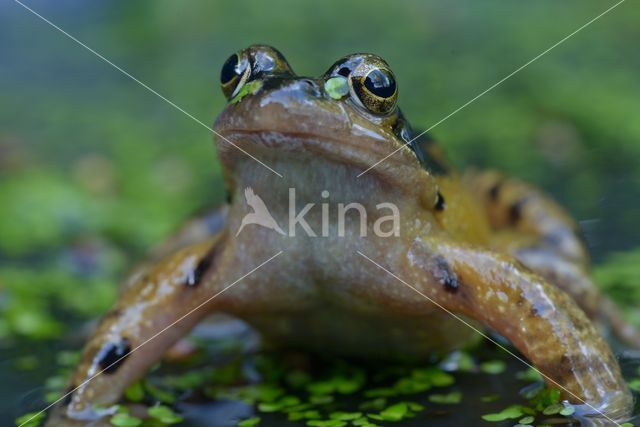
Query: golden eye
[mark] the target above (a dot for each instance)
(234, 74)
(255, 62)
(374, 88)
(266, 60)
(371, 82)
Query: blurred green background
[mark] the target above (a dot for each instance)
(94, 169)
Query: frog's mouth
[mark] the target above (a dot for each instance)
(292, 123)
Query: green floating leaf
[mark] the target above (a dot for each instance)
(397, 412)
(493, 367)
(327, 423)
(374, 405)
(343, 384)
(526, 420)
(298, 379)
(363, 422)
(337, 87)
(634, 384)
(567, 410)
(32, 419)
(458, 361)
(159, 393)
(248, 89)
(269, 393)
(381, 392)
(26, 363)
(446, 399)
(545, 398)
(530, 375)
(135, 392)
(249, 422)
(304, 415)
(435, 376)
(510, 413)
(68, 358)
(553, 409)
(320, 400)
(280, 405)
(125, 420)
(164, 414)
(345, 416)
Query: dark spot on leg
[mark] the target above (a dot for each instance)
(534, 312)
(494, 191)
(113, 314)
(228, 197)
(195, 277)
(447, 278)
(515, 211)
(68, 395)
(111, 356)
(440, 204)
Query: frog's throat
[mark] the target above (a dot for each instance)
(323, 160)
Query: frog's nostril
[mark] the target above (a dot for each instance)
(310, 87)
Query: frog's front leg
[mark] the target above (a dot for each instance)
(539, 319)
(160, 305)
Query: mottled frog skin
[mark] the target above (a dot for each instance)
(492, 250)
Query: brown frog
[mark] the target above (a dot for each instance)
(320, 251)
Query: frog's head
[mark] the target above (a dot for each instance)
(348, 118)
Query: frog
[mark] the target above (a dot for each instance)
(439, 258)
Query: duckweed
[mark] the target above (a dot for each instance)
(315, 398)
(164, 414)
(249, 422)
(32, 419)
(493, 367)
(125, 420)
(446, 399)
(509, 413)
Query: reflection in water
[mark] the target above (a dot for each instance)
(227, 339)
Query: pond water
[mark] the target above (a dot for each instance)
(231, 347)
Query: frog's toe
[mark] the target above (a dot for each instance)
(62, 416)
(616, 408)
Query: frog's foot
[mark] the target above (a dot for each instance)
(63, 417)
(540, 320)
(159, 306)
(590, 416)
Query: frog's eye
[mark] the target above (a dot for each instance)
(371, 82)
(234, 74)
(376, 90)
(267, 60)
(254, 62)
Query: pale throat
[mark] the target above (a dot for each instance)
(324, 188)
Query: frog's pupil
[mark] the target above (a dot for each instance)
(344, 71)
(228, 71)
(380, 83)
